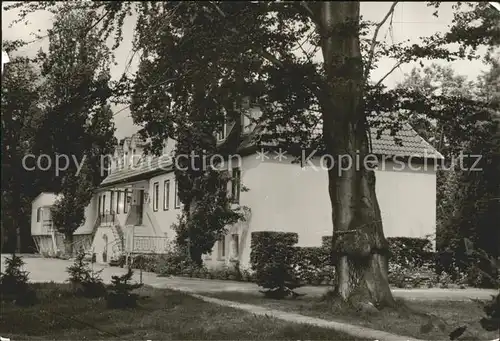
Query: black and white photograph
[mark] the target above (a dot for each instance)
(250, 170)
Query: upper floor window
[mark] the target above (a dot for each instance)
(156, 190)
(177, 199)
(112, 202)
(118, 201)
(126, 200)
(166, 195)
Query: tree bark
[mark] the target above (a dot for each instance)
(358, 242)
(68, 245)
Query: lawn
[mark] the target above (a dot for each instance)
(161, 315)
(411, 318)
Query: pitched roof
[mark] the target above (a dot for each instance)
(411, 144)
(405, 143)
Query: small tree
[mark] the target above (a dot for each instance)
(120, 295)
(272, 260)
(84, 280)
(14, 283)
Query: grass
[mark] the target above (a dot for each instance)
(161, 315)
(410, 318)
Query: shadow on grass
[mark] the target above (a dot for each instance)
(429, 320)
(162, 314)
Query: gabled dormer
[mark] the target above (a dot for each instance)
(249, 115)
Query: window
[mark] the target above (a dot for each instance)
(221, 133)
(166, 195)
(125, 201)
(103, 204)
(236, 245)
(235, 186)
(156, 190)
(118, 201)
(222, 247)
(38, 214)
(112, 202)
(177, 200)
(99, 207)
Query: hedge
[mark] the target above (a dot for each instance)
(410, 252)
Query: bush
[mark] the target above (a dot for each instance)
(176, 262)
(120, 294)
(312, 265)
(271, 258)
(411, 252)
(119, 261)
(84, 280)
(14, 283)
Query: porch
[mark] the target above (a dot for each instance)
(126, 224)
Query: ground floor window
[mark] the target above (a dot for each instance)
(222, 247)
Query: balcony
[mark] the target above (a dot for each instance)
(150, 244)
(47, 226)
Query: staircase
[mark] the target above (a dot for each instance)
(118, 247)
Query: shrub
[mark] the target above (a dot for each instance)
(176, 262)
(149, 263)
(411, 252)
(120, 294)
(118, 261)
(84, 280)
(312, 265)
(271, 258)
(14, 283)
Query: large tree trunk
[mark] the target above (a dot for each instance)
(358, 242)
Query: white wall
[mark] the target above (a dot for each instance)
(285, 197)
(163, 217)
(90, 217)
(44, 199)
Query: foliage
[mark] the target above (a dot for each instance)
(211, 54)
(175, 262)
(14, 283)
(313, 265)
(492, 311)
(207, 209)
(120, 294)
(411, 252)
(272, 260)
(461, 126)
(84, 280)
(20, 116)
(76, 76)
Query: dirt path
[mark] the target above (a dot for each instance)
(46, 270)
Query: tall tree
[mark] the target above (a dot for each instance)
(20, 112)
(466, 198)
(77, 125)
(223, 50)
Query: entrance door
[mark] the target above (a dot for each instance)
(140, 208)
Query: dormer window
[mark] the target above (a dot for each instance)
(221, 133)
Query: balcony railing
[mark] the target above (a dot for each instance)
(150, 244)
(47, 226)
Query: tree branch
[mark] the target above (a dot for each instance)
(374, 39)
(261, 51)
(398, 64)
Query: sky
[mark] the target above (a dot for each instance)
(411, 20)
